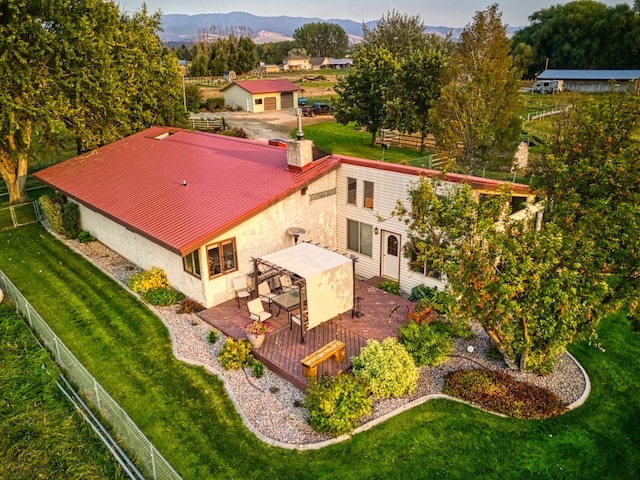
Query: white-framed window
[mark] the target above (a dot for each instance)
(352, 191)
(360, 237)
(368, 194)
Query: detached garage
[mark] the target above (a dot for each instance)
(261, 95)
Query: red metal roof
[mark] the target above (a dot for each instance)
(477, 183)
(266, 86)
(138, 182)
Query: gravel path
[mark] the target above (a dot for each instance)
(269, 405)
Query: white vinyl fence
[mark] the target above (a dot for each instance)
(145, 456)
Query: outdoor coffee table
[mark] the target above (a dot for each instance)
(287, 301)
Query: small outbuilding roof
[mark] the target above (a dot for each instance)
(265, 86)
(602, 75)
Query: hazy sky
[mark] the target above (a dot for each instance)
(450, 13)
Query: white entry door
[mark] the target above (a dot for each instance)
(390, 255)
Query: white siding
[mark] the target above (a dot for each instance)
(389, 187)
(235, 97)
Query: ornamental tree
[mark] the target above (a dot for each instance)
(528, 289)
(591, 178)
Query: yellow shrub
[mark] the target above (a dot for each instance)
(148, 280)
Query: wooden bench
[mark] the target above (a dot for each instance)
(334, 349)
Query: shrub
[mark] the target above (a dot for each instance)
(148, 280)
(70, 220)
(499, 392)
(336, 404)
(235, 354)
(258, 369)
(455, 328)
(386, 368)
(234, 132)
(85, 237)
(163, 297)
(421, 291)
(215, 104)
(213, 336)
(425, 344)
(189, 305)
(390, 286)
(52, 211)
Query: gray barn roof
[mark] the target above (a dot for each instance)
(602, 75)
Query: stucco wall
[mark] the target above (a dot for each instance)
(315, 211)
(140, 251)
(266, 232)
(389, 187)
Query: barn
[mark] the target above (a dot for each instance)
(261, 95)
(593, 80)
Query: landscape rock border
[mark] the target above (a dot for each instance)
(273, 415)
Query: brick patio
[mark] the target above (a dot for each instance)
(282, 351)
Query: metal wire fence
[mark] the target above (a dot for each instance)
(145, 456)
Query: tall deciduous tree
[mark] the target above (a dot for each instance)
(528, 289)
(582, 35)
(363, 91)
(476, 119)
(322, 39)
(397, 32)
(79, 68)
(417, 84)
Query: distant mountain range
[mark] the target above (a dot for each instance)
(184, 28)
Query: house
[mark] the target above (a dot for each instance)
(265, 69)
(228, 75)
(318, 63)
(340, 63)
(203, 206)
(592, 80)
(296, 63)
(261, 95)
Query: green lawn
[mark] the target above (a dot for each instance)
(41, 436)
(187, 415)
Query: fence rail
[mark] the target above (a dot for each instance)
(17, 215)
(145, 455)
(209, 124)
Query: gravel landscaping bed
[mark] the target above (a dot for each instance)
(270, 405)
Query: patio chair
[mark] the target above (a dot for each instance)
(256, 310)
(265, 293)
(285, 283)
(242, 288)
(296, 319)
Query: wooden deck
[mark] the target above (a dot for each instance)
(381, 314)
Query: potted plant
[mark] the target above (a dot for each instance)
(420, 310)
(256, 330)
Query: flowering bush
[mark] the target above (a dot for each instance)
(148, 280)
(258, 328)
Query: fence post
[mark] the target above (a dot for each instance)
(153, 461)
(95, 388)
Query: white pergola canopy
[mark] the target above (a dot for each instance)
(328, 277)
